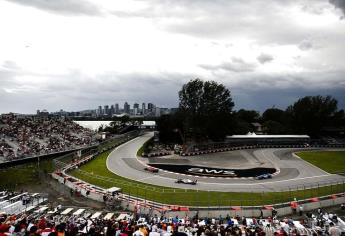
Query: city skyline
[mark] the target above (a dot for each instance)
(76, 55)
(109, 110)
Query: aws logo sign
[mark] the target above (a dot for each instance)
(212, 172)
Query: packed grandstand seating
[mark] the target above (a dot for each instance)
(33, 135)
(30, 214)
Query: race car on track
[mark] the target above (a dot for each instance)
(186, 181)
(264, 176)
(151, 169)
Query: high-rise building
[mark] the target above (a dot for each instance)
(143, 108)
(117, 109)
(112, 110)
(150, 107)
(126, 108)
(106, 110)
(99, 111)
(135, 109)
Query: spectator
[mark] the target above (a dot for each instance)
(334, 231)
(29, 136)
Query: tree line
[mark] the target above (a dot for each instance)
(206, 114)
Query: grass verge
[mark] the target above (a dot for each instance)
(23, 175)
(144, 148)
(330, 161)
(96, 172)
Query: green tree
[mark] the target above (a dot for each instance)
(124, 119)
(274, 121)
(170, 127)
(273, 114)
(309, 114)
(243, 119)
(207, 108)
(274, 127)
(249, 116)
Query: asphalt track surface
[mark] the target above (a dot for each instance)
(293, 172)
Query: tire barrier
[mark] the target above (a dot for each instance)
(156, 154)
(196, 153)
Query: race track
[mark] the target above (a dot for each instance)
(293, 171)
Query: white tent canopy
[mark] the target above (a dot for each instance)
(113, 189)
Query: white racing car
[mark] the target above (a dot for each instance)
(186, 181)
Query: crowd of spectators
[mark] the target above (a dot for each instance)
(5, 148)
(54, 222)
(24, 136)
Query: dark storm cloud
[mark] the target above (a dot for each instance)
(262, 99)
(264, 58)
(261, 91)
(339, 4)
(76, 91)
(160, 89)
(263, 23)
(64, 7)
(235, 65)
(317, 80)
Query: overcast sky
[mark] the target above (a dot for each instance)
(78, 54)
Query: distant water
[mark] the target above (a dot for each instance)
(92, 124)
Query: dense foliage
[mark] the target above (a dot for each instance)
(205, 114)
(206, 108)
(310, 114)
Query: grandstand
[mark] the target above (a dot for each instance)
(18, 203)
(28, 136)
(43, 219)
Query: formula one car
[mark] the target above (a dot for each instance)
(151, 169)
(186, 181)
(264, 176)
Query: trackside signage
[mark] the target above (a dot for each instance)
(212, 171)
